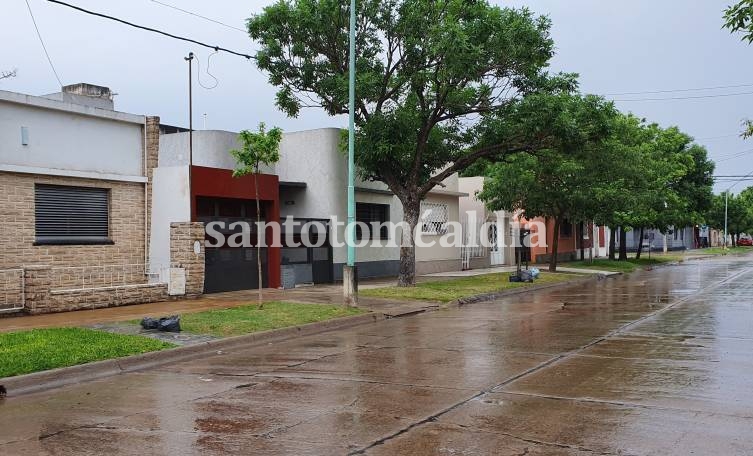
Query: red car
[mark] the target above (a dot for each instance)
(745, 242)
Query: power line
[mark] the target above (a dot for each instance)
(245, 32)
(709, 138)
(149, 29)
(724, 158)
(697, 97)
(42, 42)
(736, 86)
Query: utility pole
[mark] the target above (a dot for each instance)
(350, 271)
(726, 200)
(189, 59)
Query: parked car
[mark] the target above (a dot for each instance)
(745, 242)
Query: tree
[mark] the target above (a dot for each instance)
(257, 148)
(661, 180)
(559, 182)
(739, 18)
(739, 210)
(440, 85)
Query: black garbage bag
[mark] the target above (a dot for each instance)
(170, 324)
(149, 323)
(166, 324)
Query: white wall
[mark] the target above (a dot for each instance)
(60, 139)
(170, 203)
(211, 148)
(312, 157)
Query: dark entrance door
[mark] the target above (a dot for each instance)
(231, 268)
(321, 264)
(311, 264)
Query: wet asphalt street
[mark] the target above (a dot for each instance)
(657, 363)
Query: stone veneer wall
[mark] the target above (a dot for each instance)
(184, 237)
(44, 296)
(18, 234)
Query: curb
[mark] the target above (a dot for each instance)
(486, 297)
(64, 376)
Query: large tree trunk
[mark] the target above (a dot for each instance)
(555, 244)
(623, 244)
(640, 246)
(259, 234)
(407, 276)
(612, 236)
(582, 244)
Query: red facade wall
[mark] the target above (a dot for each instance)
(220, 183)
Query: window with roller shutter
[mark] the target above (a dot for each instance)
(68, 215)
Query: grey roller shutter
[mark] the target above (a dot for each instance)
(74, 215)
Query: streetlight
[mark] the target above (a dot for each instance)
(350, 272)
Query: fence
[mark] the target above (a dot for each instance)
(473, 239)
(11, 290)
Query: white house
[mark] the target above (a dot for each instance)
(309, 183)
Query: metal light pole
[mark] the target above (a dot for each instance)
(189, 59)
(350, 272)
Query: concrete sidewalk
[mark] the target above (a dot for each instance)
(320, 294)
(330, 294)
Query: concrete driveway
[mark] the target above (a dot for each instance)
(656, 363)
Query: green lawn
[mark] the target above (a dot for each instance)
(623, 266)
(36, 350)
(450, 290)
(247, 319)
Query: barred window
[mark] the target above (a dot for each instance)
(369, 213)
(71, 215)
(434, 218)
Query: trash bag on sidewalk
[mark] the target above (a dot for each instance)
(170, 324)
(166, 324)
(149, 323)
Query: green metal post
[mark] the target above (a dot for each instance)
(350, 271)
(351, 235)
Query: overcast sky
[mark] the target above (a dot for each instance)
(615, 46)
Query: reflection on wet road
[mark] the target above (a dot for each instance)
(659, 363)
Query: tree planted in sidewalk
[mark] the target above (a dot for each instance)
(561, 182)
(257, 148)
(440, 85)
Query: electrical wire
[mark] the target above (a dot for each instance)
(709, 138)
(736, 86)
(198, 75)
(200, 16)
(43, 46)
(150, 29)
(725, 158)
(697, 97)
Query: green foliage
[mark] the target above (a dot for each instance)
(440, 84)
(36, 350)
(257, 148)
(427, 73)
(563, 181)
(739, 18)
(236, 321)
(739, 212)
